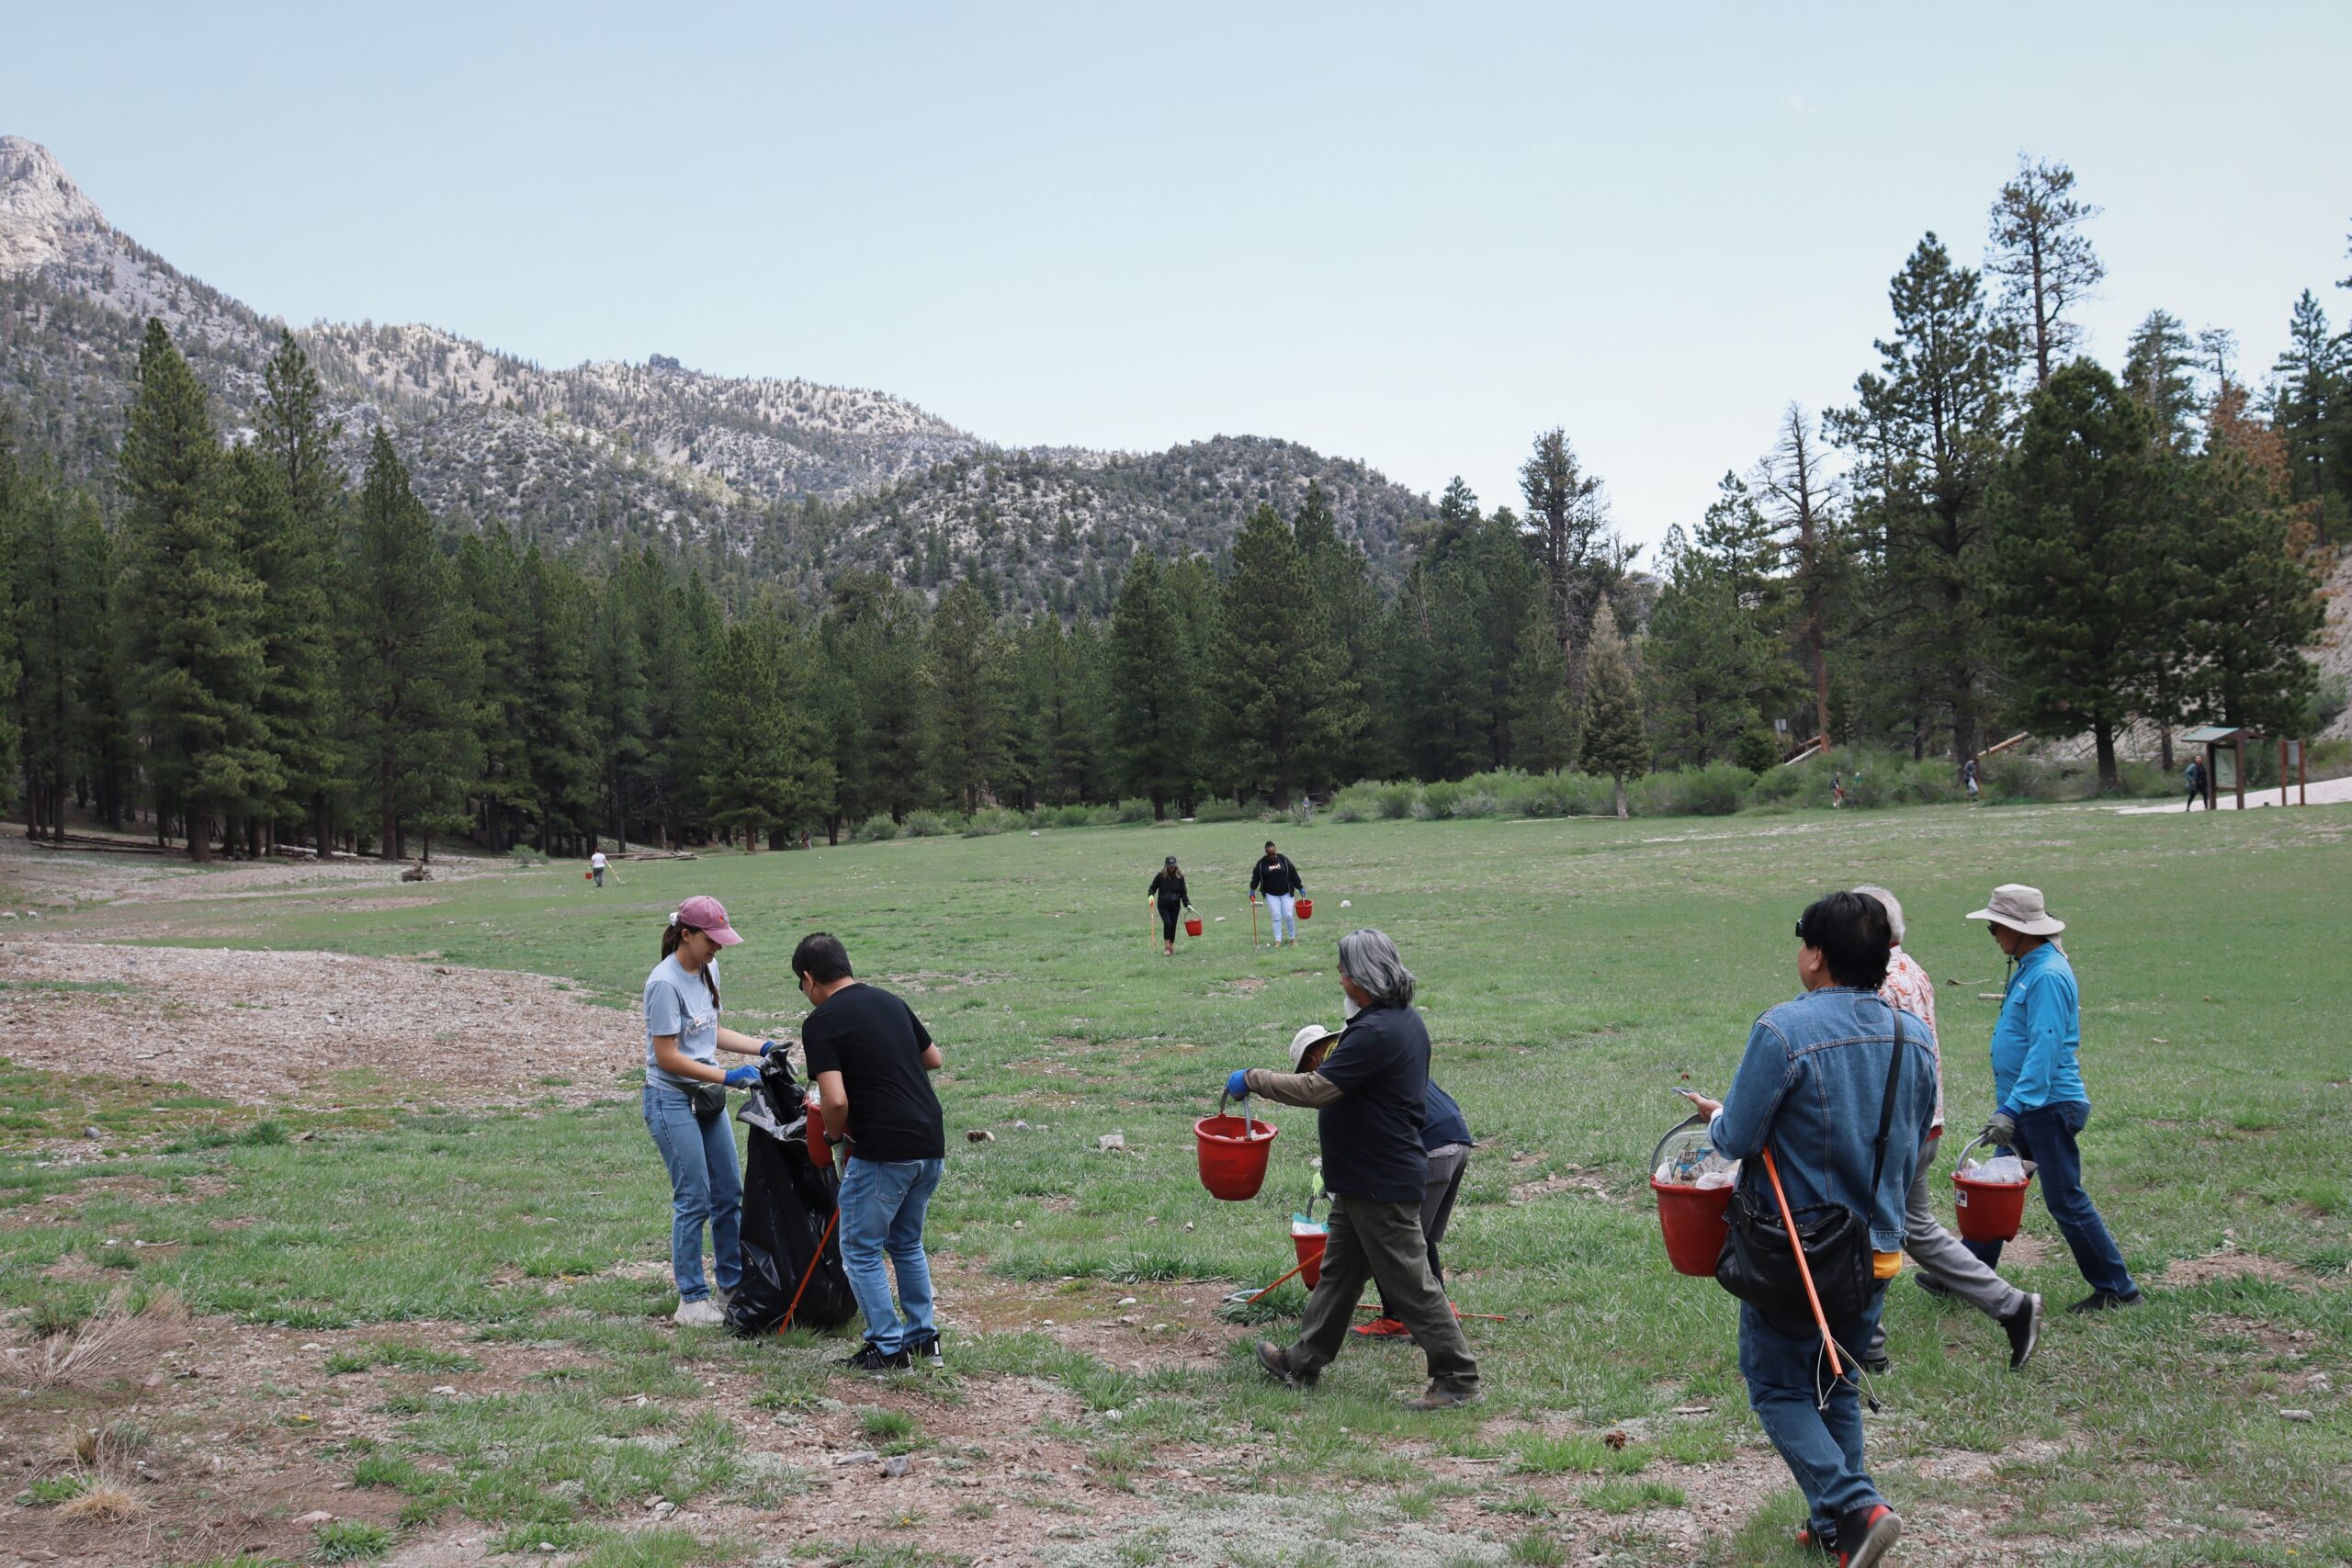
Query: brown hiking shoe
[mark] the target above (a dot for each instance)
(1276, 1360)
(1440, 1397)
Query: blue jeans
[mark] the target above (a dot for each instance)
(882, 1206)
(705, 1187)
(1282, 913)
(1822, 1444)
(2046, 1135)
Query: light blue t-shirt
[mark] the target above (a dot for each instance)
(679, 1003)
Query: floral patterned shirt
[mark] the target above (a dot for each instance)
(1909, 988)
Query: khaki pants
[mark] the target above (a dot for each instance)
(1382, 1241)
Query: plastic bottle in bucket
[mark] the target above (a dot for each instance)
(1694, 1185)
(1308, 1236)
(1988, 1210)
(1233, 1152)
(1305, 907)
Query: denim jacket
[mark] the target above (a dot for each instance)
(1810, 1085)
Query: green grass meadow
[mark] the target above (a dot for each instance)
(1572, 971)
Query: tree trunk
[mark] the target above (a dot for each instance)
(199, 836)
(2167, 744)
(2103, 736)
(1621, 812)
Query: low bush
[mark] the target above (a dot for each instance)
(1134, 808)
(875, 830)
(990, 820)
(927, 825)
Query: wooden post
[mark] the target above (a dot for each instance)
(2282, 773)
(2238, 746)
(2302, 773)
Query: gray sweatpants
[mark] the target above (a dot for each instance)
(1941, 1257)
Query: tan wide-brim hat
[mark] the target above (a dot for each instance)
(1305, 1039)
(2020, 909)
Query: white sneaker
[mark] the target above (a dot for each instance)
(702, 1314)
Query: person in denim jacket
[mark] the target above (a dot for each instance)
(1809, 1087)
(2038, 1086)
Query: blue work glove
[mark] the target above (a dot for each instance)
(2003, 1128)
(766, 1046)
(1237, 1083)
(743, 1077)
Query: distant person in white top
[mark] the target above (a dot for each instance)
(1947, 1268)
(596, 867)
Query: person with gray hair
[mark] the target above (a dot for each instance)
(1946, 1268)
(1369, 1095)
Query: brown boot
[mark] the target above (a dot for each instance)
(1441, 1397)
(1276, 1360)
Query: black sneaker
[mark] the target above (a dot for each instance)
(2106, 1301)
(1865, 1536)
(924, 1347)
(2024, 1328)
(872, 1357)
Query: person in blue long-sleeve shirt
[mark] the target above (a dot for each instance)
(2042, 1105)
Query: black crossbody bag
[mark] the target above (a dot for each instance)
(1757, 1264)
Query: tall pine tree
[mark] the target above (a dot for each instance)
(1288, 699)
(1615, 740)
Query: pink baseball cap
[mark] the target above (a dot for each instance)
(706, 915)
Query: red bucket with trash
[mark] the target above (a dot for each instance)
(1192, 926)
(1694, 1185)
(820, 1153)
(1233, 1151)
(1306, 908)
(1308, 1236)
(1988, 1199)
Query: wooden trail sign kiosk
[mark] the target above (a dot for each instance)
(2224, 747)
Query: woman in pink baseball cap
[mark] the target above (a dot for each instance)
(686, 1102)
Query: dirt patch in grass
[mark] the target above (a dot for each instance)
(2231, 1264)
(1589, 1183)
(256, 1029)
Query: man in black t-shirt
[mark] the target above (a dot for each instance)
(1369, 1096)
(871, 1060)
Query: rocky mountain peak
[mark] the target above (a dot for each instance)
(44, 217)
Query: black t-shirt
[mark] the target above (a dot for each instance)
(1372, 1134)
(1276, 877)
(875, 1042)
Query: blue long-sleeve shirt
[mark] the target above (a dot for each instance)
(2038, 1035)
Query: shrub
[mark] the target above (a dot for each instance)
(926, 824)
(1438, 798)
(1717, 790)
(875, 830)
(1134, 808)
(1224, 810)
(1474, 803)
(1757, 751)
(990, 820)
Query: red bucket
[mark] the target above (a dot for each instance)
(1306, 908)
(1233, 1151)
(1309, 1246)
(1192, 926)
(1988, 1211)
(1695, 1224)
(820, 1153)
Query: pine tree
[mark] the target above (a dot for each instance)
(1350, 606)
(412, 669)
(1155, 690)
(15, 697)
(1615, 740)
(2160, 372)
(2312, 406)
(964, 669)
(62, 693)
(191, 609)
(1585, 562)
(1291, 704)
(616, 704)
(1544, 720)
(1802, 498)
(741, 706)
(2252, 607)
(2045, 262)
(556, 711)
(1928, 432)
(505, 802)
(2079, 577)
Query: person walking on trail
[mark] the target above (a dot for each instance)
(1970, 776)
(686, 1103)
(1370, 1095)
(1946, 1268)
(871, 1060)
(2043, 1106)
(2194, 776)
(596, 867)
(1168, 890)
(1276, 880)
(1839, 1087)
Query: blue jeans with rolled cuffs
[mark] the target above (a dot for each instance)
(705, 1188)
(882, 1205)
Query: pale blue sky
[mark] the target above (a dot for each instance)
(1411, 234)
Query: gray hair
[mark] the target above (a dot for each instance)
(1370, 959)
(1893, 905)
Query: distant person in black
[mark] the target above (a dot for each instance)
(871, 1059)
(1168, 890)
(1369, 1096)
(1278, 881)
(2195, 777)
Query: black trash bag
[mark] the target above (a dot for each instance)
(788, 1206)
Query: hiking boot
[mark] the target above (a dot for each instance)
(1276, 1360)
(1865, 1536)
(1440, 1397)
(2106, 1301)
(1383, 1329)
(704, 1314)
(872, 1357)
(924, 1347)
(1876, 1362)
(1935, 1287)
(2024, 1328)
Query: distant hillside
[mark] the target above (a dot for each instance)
(789, 480)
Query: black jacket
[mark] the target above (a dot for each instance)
(1169, 890)
(1277, 879)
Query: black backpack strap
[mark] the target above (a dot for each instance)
(1886, 1106)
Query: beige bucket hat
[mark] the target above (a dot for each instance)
(2020, 909)
(1305, 1039)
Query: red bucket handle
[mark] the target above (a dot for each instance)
(1249, 1127)
(1984, 1137)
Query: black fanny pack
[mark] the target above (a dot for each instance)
(707, 1099)
(1760, 1267)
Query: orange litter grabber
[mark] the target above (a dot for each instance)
(1813, 1297)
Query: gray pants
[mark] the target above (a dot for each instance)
(1382, 1241)
(1447, 1165)
(1941, 1257)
